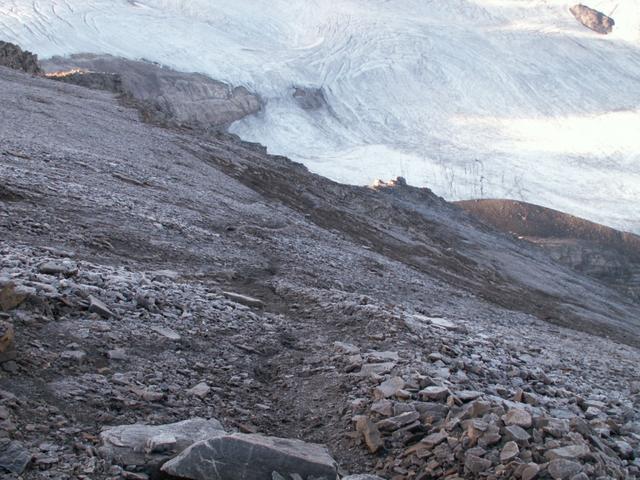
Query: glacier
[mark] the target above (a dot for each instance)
(471, 98)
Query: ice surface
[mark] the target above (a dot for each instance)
(493, 98)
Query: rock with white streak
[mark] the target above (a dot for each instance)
(242, 456)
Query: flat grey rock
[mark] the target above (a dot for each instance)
(152, 445)
(252, 457)
(13, 456)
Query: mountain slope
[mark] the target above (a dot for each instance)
(510, 99)
(125, 247)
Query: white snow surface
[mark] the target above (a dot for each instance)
(472, 98)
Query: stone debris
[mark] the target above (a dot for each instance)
(242, 456)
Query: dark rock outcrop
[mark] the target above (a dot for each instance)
(12, 56)
(593, 19)
(599, 251)
(164, 96)
(309, 98)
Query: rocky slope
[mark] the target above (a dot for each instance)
(155, 275)
(596, 250)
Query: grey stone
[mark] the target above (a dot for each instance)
(97, 306)
(376, 369)
(13, 456)
(517, 416)
(59, 268)
(569, 452)
(434, 393)
(117, 354)
(517, 434)
(201, 390)
(431, 410)
(388, 388)
(509, 451)
(468, 395)
(434, 439)
(166, 332)
(530, 471)
(73, 355)
(242, 456)
(476, 464)
(561, 469)
(394, 423)
(137, 444)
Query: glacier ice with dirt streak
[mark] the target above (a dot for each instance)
(472, 98)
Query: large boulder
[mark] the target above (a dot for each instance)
(252, 457)
(150, 446)
(593, 19)
(12, 56)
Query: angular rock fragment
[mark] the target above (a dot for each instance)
(388, 388)
(561, 469)
(138, 444)
(593, 19)
(370, 433)
(509, 451)
(166, 332)
(14, 458)
(434, 393)
(201, 390)
(434, 439)
(369, 369)
(97, 306)
(517, 416)
(569, 452)
(399, 421)
(517, 434)
(530, 471)
(242, 456)
(467, 395)
(65, 268)
(476, 464)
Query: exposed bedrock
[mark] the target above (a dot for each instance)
(12, 56)
(596, 250)
(168, 97)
